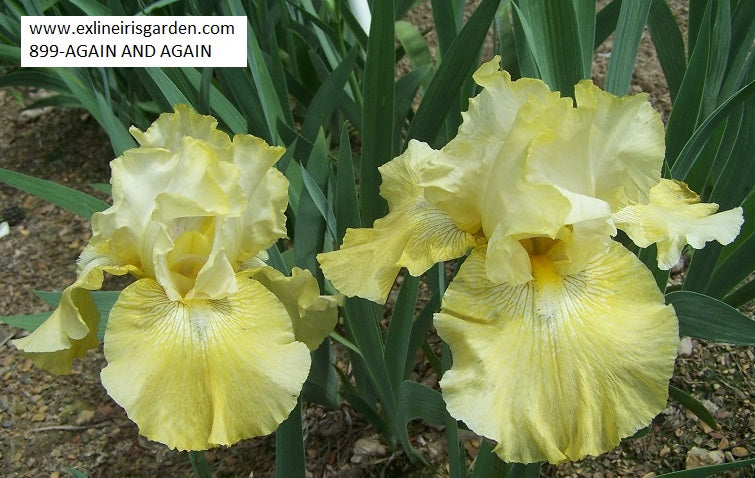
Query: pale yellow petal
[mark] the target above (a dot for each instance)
(313, 315)
(170, 128)
(138, 176)
(414, 235)
(71, 330)
(486, 156)
(201, 185)
(560, 367)
(202, 373)
(263, 221)
(67, 334)
(609, 148)
(675, 217)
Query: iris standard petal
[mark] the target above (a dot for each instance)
(71, 330)
(609, 148)
(501, 121)
(414, 235)
(675, 217)
(201, 373)
(170, 128)
(313, 315)
(560, 367)
(263, 221)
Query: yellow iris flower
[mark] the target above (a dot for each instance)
(561, 341)
(209, 345)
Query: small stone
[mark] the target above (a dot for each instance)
(54, 474)
(84, 416)
(697, 457)
(366, 448)
(712, 407)
(685, 348)
(650, 474)
(39, 417)
(706, 428)
(739, 451)
(664, 451)
(724, 443)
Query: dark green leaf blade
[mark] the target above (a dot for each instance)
(632, 18)
(693, 405)
(28, 322)
(377, 116)
(669, 44)
(419, 401)
(451, 74)
(706, 471)
(289, 446)
(710, 319)
(77, 202)
(554, 38)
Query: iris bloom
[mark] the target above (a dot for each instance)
(209, 345)
(561, 341)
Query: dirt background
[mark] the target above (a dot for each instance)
(49, 424)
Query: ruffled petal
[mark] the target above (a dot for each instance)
(202, 373)
(313, 315)
(414, 235)
(562, 366)
(71, 330)
(675, 217)
(170, 128)
(264, 221)
(486, 156)
(185, 175)
(608, 148)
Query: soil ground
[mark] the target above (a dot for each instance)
(50, 424)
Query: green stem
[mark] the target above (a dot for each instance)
(199, 464)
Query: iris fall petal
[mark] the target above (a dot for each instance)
(313, 315)
(414, 234)
(71, 330)
(203, 373)
(562, 366)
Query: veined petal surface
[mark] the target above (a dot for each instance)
(675, 217)
(202, 373)
(562, 366)
(414, 234)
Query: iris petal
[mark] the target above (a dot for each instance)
(313, 315)
(414, 235)
(675, 217)
(562, 366)
(71, 330)
(201, 373)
